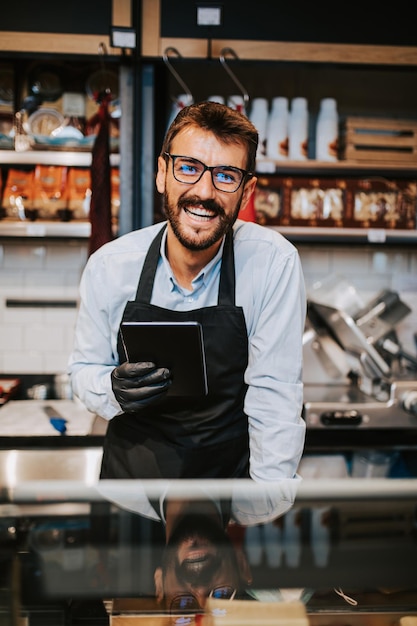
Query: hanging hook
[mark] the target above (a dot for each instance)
(103, 84)
(231, 52)
(102, 48)
(174, 72)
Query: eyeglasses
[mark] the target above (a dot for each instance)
(224, 177)
(188, 603)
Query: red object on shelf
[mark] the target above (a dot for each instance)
(100, 204)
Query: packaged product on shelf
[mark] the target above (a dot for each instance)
(79, 192)
(288, 201)
(315, 202)
(268, 200)
(50, 192)
(17, 200)
(115, 193)
(383, 203)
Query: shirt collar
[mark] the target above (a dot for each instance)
(201, 277)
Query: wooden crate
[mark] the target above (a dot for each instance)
(369, 139)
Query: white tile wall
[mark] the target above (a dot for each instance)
(38, 340)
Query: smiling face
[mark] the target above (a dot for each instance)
(198, 558)
(199, 214)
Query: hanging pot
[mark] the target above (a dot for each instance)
(45, 83)
(101, 82)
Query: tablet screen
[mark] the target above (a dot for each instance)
(176, 345)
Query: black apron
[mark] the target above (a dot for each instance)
(204, 437)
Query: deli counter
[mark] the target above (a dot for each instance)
(80, 552)
(337, 547)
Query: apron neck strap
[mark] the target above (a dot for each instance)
(227, 271)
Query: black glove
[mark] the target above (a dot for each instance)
(136, 385)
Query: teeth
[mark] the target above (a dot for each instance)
(197, 213)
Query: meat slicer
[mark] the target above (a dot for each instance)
(357, 339)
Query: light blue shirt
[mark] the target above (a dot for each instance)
(269, 288)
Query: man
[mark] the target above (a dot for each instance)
(241, 281)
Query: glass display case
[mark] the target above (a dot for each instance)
(116, 552)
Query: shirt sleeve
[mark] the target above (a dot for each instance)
(94, 354)
(265, 503)
(274, 398)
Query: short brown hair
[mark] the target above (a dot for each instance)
(228, 125)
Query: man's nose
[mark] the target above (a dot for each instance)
(205, 185)
(201, 593)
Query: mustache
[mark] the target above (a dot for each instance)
(199, 572)
(210, 205)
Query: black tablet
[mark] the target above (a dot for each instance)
(176, 345)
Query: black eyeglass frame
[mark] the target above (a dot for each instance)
(245, 173)
(196, 607)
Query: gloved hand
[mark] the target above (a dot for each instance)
(136, 385)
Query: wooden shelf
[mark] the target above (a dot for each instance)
(372, 236)
(51, 157)
(45, 230)
(335, 168)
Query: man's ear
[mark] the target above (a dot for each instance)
(248, 191)
(161, 174)
(159, 585)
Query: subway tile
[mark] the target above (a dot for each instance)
(405, 282)
(389, 262)
(55, 362)
(72, 279)
(347, 261)
(11, 336)
(41, 278)
(315, 261)
(43, 337)
(23, 256)
(12, 278)
(60, 317)
(65, 256)
(23, 362)
(23, 317)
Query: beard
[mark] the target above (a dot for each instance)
(203, 529)
(199, 241)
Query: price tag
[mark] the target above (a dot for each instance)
(377, 235)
